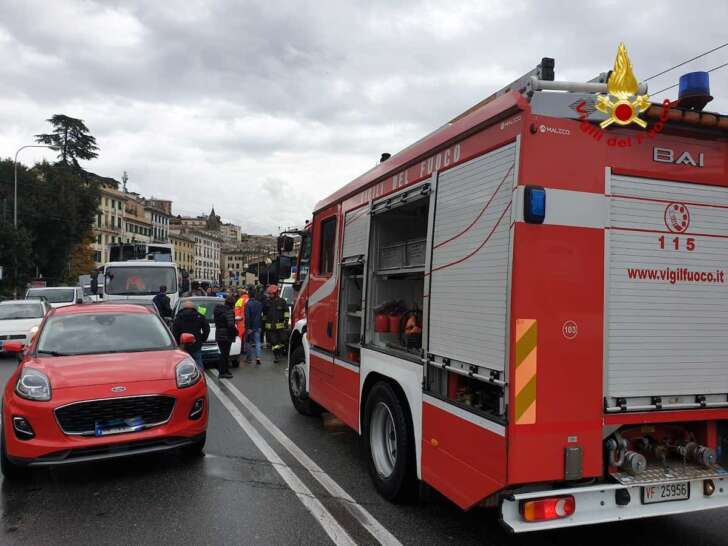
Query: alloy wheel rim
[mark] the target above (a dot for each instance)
(383, 440)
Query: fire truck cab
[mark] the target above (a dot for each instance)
(528, 311)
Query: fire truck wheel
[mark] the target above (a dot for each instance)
(390, 444)
(297, 385)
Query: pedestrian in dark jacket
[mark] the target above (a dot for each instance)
(161, 300)
(253, 324)
(190, 321)
(225, 333)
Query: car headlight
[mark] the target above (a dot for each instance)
(33, 385)
(187, 373)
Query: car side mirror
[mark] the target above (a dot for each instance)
(187, 339)
(14, 347)
(79, 300)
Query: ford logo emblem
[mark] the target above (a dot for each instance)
(118, 389)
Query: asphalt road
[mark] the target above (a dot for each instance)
(250, 489)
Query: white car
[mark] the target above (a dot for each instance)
(210, 352)
(58, 296)
(19, 319)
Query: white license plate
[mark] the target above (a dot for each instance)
(665, 492)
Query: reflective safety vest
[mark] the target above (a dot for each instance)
(240, 313)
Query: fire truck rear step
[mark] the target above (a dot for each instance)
(673, 471)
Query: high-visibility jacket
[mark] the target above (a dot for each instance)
(240, 314)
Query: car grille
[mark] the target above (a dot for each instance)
(81, 417)
(13, 336)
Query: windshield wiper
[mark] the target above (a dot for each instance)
(53, 353)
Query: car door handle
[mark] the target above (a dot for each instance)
(330, 328)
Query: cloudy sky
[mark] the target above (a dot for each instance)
(263, 108)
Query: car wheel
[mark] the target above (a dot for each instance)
(297, 385)
(197, 449)
(10, 470)
(389, 441)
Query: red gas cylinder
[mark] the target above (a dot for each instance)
(395, 324)
(381, 323)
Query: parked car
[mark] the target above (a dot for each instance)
(210, 352)
(98, 382)
(19, 319)
(59, 296)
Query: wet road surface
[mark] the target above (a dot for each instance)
(272, 476)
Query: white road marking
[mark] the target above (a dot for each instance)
(376, 529)
(332, 527)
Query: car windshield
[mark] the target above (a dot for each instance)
(287, 293)
(93, 333)
(9, 311)
(204, 306)
(135, 281)
(52, 295)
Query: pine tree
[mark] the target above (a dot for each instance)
(70, 136)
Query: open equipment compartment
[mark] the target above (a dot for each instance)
(353, 282)
(396, 273)
(350, 312)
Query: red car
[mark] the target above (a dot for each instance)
(97, 382)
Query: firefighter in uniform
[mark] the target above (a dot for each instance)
(275, 317)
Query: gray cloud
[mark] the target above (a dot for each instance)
(262, 108)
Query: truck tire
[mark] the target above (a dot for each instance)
(389, 441)
(297, 385)
(11, 471)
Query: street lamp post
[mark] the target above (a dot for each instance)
(15, 201)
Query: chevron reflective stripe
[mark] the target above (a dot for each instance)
(525, 383)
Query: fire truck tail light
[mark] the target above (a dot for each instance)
(546, 509)
(534, 205)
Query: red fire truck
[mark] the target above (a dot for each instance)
(527, 311)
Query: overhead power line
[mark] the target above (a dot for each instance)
(686, 62)
(676, 84)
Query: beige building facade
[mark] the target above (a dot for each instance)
(184, 250)
(109, 226)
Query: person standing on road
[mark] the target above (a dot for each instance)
(276, 316)
(225, 333)
(190, 321)
(240, 316)
(161, 301)
(253, 323)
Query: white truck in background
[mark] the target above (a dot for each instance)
(137, 280)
